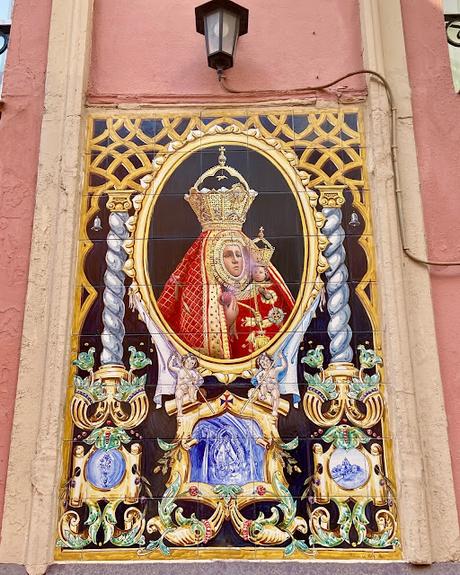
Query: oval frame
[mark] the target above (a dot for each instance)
(285, 161)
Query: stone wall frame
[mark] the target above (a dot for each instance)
(429, 523)
(428, 515)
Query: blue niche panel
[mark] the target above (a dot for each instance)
(227, 452)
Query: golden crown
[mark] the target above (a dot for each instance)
(223, 208)
(261, 256)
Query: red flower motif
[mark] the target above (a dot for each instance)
(208, 529)
(261, 490)
(245, 529)
(193, 490)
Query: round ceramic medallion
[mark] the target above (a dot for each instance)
(349, 468)
(105, 469)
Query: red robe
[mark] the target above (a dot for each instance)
(192, 307)
(263, 308)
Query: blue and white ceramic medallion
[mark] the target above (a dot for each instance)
(349, 468)
(105, 469)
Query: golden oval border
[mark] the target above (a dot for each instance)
(285, 162)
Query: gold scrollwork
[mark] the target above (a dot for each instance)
(185, 532)
(328, 409)
(323, 534)
(228, 501)
(73, 535)
(126, 410)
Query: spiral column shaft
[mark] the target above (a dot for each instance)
(338, 292)
(114, 291)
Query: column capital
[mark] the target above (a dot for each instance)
(119, 200)
(331, 196)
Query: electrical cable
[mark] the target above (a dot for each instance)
(393, 145)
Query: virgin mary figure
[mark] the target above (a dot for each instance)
(225, 299)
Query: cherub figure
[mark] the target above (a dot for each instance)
(267, 380)
(188, 379)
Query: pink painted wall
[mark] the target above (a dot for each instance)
(151, 51)
(23, 95)
(436, 109)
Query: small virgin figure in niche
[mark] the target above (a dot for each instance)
(225, 299)
(188, 380)
(226, 451)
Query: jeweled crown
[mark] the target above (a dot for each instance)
(222, 208)
(261, 256)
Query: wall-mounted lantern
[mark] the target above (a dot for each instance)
(221, 22)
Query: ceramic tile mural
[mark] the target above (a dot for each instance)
(226, 392)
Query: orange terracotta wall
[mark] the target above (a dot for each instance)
(436, 109)
(23, 95)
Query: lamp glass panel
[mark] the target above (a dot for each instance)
(6, 8)
(212, 31)
(229, 31)
(451, 6)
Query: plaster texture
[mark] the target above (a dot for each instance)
(160, 56)
(20, 124)
(436, 111)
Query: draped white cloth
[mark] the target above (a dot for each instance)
(166, 383)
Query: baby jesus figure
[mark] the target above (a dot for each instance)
(256, 313)
(260, 276)
(259, 273)
(261, 280)
(188, 379)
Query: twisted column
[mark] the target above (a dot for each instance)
(338, 293)
(114, 280)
